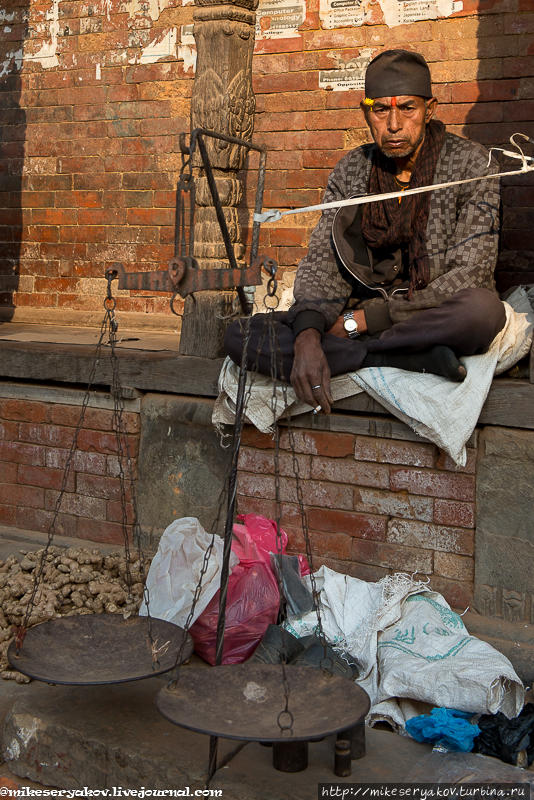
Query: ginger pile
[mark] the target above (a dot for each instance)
(74, 581)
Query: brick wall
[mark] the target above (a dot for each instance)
(35, 439)
(93, 95)
(374, 505)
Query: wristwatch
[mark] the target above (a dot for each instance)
(350, 325)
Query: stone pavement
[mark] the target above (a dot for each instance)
(104, 736)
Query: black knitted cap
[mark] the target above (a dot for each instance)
(398, 72)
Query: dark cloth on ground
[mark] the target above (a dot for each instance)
(467, 323)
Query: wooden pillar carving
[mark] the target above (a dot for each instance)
(222, 101)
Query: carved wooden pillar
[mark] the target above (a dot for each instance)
(222, 101)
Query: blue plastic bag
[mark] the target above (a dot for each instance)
(447, 726)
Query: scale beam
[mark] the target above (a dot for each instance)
(183, 277)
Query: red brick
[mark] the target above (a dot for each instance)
(23, 410)
(356, 473)
(101, 531)
(22, 453)
(445, 462)
(277, 45)
(299, 179)
(78, 199)
(430, 537)
(303, 140)
(77, 504)
(100, 486)
(46, 477)
(451, 512)
(97, 441)
(150, 216)
(13, 494)
(8, 515)
(458, 594)
(37, 519)
(8, 472)
(364, 572)
(333, 119)
(389, 451)
(94, 463)
(484, 90)
(112, 468)
(435, 484)
(9, 431)
(391, 556)
(282, 121)
(263, 461)
(323, 158)
(49, 435)
(114, 512)
(318, 443)
(253, 505)
(449, 565)
(325, 495)
(256, 485)
(362, 526)
(331, 545)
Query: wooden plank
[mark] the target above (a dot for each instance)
(510, 402)
(160, 371)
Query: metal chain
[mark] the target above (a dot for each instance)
(108, 327)
(285, 717)
(305, 529)
(124, 457)
(223, 499)
(276, 354)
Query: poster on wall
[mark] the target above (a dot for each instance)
(348, 75)
(341, 13)
(346, 13)
(402, 12)
(279, 19)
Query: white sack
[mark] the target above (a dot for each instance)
(411, 646)
(175, 571)
(430, 656)
(352, 613)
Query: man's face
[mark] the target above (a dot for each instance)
(398, 124)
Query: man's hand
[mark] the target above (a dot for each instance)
(310, 376)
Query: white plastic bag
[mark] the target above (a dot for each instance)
(175, 571)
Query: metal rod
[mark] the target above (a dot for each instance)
(228, 529)
(217, 203)
(258, 207)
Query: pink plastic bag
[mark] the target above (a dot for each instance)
(253, 596)
(262, 532)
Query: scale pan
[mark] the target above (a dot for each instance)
(243, 701)
(97, 648)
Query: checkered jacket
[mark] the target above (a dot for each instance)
(461, 235)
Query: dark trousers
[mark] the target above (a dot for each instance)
(467, 323)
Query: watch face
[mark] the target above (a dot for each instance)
(350, 325)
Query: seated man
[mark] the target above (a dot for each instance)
(406, 282)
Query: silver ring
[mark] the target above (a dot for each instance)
(316, 387)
